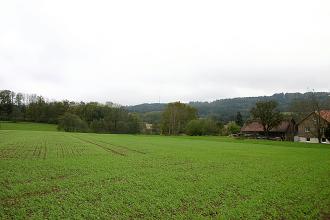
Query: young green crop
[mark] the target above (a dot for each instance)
(72, 175)
(29, 126)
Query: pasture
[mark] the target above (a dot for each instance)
(47, 174)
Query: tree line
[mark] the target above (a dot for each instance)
(179, 118)
(176, 118)
(70, 116)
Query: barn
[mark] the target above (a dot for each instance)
(284, 131)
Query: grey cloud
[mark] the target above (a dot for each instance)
(131, 52)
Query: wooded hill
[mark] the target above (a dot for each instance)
(226, 109)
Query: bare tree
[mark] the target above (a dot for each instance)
(319, 122)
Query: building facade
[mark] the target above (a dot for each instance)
(308, 128)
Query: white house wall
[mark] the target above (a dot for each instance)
(312, 140)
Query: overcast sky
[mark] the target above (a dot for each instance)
(132, 52)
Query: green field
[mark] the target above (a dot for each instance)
(61, 175)
(27, 126)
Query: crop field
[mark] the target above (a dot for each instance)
(57, 175)
(27, 126)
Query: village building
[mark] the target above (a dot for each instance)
(148, 128)
(284, 131)
(307, 128)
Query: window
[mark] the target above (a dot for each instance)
(308, 139)
(324, 140)
(307, 129)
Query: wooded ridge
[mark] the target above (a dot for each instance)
(226, 109)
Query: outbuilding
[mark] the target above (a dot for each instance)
(284, 131)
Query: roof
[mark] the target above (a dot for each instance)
(325, 114)
(256, 126)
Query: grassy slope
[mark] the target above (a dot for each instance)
(56, 174)
(29, 126)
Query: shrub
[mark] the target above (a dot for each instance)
(232, 128)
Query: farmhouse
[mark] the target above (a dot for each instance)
(307, 128)
(285, 130)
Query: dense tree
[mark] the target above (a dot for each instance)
(72, 123)
(202, 127)
(239, 119)
(16, 114)
(98, 126)
(109, 118)
(37, 110)
(6, 104)
(194, 128)
(134, 124)
(176, 116)
(19, 99)
(152, 117)
(267, 114)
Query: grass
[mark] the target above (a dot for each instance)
(72, 175)
(29, 126)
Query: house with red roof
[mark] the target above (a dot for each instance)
(307, 129)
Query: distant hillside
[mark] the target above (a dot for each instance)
(147, 107)
(226, 109)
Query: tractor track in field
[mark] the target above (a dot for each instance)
(19, 151)
(45, 152)
(123, 147)
(35, 151)
(101, 146)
